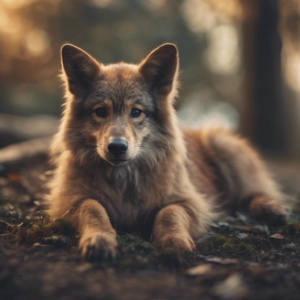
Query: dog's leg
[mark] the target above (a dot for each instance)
(248, 184)
(172, 229)
(98, 238)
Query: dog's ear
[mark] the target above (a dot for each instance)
(160, 68)
(80, 69)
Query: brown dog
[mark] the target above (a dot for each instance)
(123, 163)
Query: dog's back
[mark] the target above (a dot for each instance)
(226, 167)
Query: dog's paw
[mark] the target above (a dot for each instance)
(173, 243)
(265, 210)
(98, 246)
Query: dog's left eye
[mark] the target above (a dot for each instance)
(100, 112)
(135, 113)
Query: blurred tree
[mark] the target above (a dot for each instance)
(264, 116)
(29, 33)
(32, 31)
(269, 116)
(219, 42)
(290, 33)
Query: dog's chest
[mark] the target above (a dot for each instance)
(128, 197)
(132, 210)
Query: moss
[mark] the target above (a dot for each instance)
(33, 233)
(237, 246)
(30, 233)
(134, 242)
(61, 226)
(57, 241)
(231, 244)
(219, 240)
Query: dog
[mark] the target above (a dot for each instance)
(123, 164)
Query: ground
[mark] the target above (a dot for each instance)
(237, 259)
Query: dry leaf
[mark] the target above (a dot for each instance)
(277, 236)
(222, 261)
(233, 287)
(199, 270)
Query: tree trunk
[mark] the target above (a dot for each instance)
(264, 115)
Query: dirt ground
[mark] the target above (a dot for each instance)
(237, 259)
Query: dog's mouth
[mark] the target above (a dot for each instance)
(118, 162)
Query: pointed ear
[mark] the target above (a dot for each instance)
(80, 69)
(160, 68)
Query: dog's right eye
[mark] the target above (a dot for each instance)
(100, 112)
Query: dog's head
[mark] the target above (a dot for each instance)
(120, 111)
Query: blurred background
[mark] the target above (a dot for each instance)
(240, 61)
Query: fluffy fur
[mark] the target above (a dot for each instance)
(169, 182)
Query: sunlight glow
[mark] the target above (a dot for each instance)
(222, 54)
(209, 111)
(8, 24)
(292, 70)
(15, 4)
(206, 17)
(198, 15)
(19, 32)
(230, 8)
(37, 42)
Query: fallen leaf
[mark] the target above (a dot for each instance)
(199, 270)
(290, 247)
(233, 287)
(222, 261)
(277, 236)
(242, 235)
(38, 245)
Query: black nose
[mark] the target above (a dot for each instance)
(117, 147)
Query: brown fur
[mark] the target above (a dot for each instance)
(170, 180)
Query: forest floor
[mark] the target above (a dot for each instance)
(238, 259)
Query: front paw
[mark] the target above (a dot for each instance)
(98, 246)
(175, 243)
